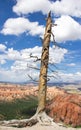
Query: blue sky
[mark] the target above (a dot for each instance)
(22, 23)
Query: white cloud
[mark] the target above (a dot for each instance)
(17, 26)
(2, 50)
(21, 63)
(12, 76)
(70, 77)
(18, 70)
(2, 61)
(30, 6)
(21, 76)
(57, 54)
(2, 47)
(66, 7)
(71, 64)
(67, 29)
(12, 54)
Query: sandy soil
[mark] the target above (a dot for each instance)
(40, 127)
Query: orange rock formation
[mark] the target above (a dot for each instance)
(66, 108)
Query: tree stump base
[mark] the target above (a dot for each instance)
(42, 118)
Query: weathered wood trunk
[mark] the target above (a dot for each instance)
(44, 65)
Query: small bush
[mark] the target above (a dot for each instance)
(18, 109)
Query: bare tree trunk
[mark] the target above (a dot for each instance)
(40, 115)
(44, 66)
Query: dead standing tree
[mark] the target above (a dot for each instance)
(44, 65)
(40, 115)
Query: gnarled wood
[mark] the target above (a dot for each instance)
(44, 66)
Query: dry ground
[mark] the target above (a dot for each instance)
(40, 127)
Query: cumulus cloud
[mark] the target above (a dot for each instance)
(19, 69)
(70, 77)
(67, 29)
(30, 6)
(2, 47)
(21, 76)
(12, 54)
(26, 61)
(70, 7)
(2, 51)
(17, 26)
(67, 7)
(57, 54)
(12, 76)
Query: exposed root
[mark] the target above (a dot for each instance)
(42, 118)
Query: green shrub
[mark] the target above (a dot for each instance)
(18, 109)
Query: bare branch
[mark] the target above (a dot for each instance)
(53, 37)
(36, 58)
(53, 64)
(55, 43)
(41, 39)
(31, 78)
(33, 67)
(52, 76)
(54, 71)
(53, 24)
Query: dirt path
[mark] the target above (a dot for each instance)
(39, 127)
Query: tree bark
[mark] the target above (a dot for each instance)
(44, 65)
